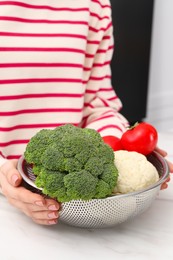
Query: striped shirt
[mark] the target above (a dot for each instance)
(55, 69)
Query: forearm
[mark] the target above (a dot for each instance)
(107, 122)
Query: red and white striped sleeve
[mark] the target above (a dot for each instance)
(102, 105)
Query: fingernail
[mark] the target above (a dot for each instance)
(39, 203)
(52, 222)
(14, 179)
(52, 215)
(53, 207)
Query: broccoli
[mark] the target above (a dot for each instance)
(37, 146)
(72, 163)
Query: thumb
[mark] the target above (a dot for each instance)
(12, 174)
(16, 179)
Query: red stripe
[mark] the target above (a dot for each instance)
(30, 126)
(35, 80)
(41, 110)
(101, 64)
(13, 142)
(46, 95)
(98, 119)
(103, 117)
(106, 89)
(103, 6)
(93, 42)
(113, 98)
(98, 51)
(1, 154)
(12, 157)
(100, 29)
(78, 36)
(88, 105)
(67, 35)
(91, 91)
(109, 126)
(97, 78)
(17, 19)
(52, 8)
(42, 49)
(87, 55)
(107, 37)
(43, 7)
(97, 65)
(104, 102)
(98, 42)
(105, 113)
(63, 65)
(104, 51)
(22, 20)
(87, 69)
(99, 17)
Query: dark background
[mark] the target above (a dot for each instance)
(132, 21)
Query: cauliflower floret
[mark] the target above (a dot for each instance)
(135, 172)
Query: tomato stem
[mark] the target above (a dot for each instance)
(133, 126)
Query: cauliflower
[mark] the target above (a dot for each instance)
(135, 172)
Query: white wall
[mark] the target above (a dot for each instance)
(160, 95)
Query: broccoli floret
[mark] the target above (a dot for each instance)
(80, 185)
(53, 184)
(95, 166)
(93, 135)
(105, 153)
(110, 179)
(72, 163)
(53, 159)
(36, 169)
(37, 145)
(102, 189)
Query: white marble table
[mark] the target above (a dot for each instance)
(147, 237)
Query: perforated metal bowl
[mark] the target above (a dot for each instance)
(113, 210)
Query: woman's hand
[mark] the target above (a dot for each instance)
(164, 154)
(40, 210)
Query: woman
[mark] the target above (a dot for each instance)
(54, 69)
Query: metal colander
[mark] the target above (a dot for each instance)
(101, 213)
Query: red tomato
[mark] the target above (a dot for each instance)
(113, 142)
(141, 138)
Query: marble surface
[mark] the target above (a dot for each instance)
(148, 236)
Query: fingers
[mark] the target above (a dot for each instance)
(170, 166)
(11, 173)
(40, 210)
(164, 154)
(160, 151)
(43, 215)
(164, 186)
(168, 179)
(26, 196)
(46, 215)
